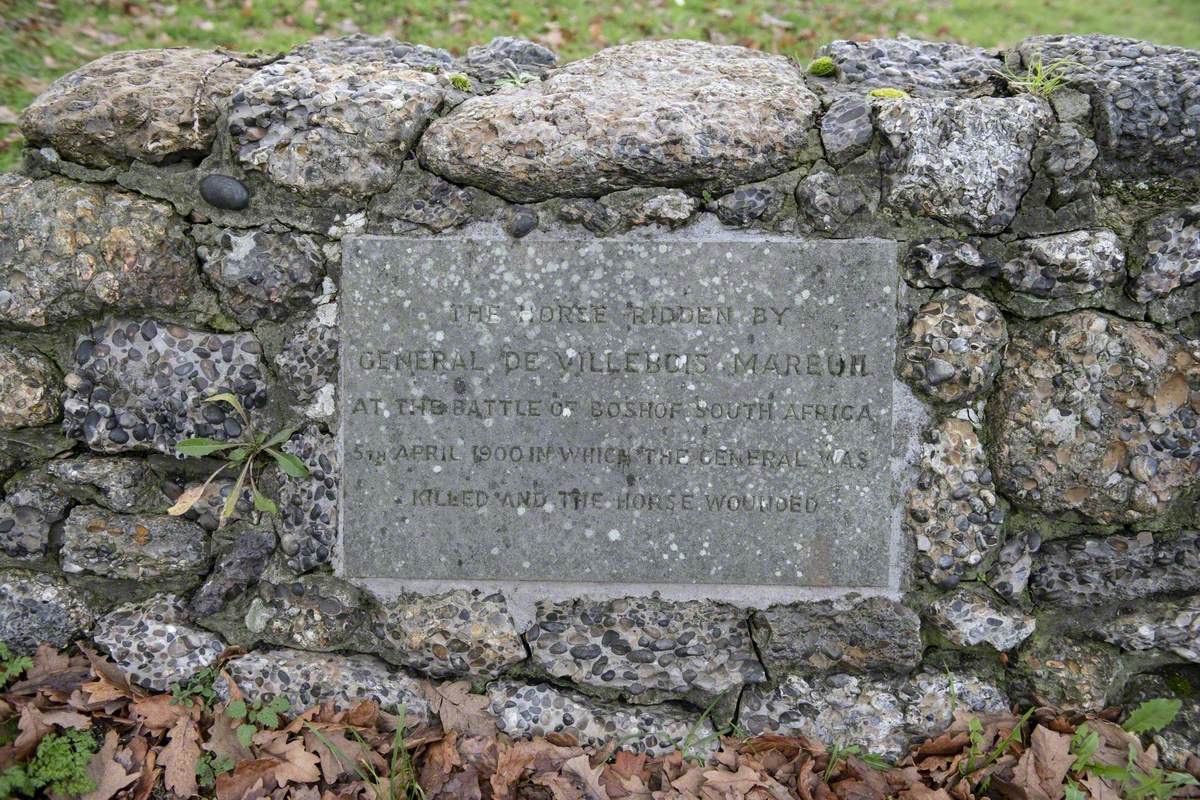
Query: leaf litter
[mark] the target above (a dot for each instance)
(153, 745)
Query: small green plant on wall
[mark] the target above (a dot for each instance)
(1042, 79)
(241, 455)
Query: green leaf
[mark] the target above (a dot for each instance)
(234, 494)
(1084, 745)
(1073, 792)
(236, 709)
(280, 437)
(290, 464)
(267, 717)
(280, 704)
(239, 455)
(264, 503)
(245, 734)
(201, 446)
(227, 397)
(1153, 715)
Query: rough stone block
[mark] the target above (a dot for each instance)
(969, 618)
(126, 485)
(37, 608)
(954, 347)
(1172, 626)
(1067, 264)
(140, 385)
(30, 388)
(153, 644)
(308, 506)
(1094, 571)
(315, 612)
(112, 545)
(70, 250)
(665, 113)
(1170, 254)
(1096, 416)
(915, 66)
(263, 273)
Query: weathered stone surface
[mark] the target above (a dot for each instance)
(143, 105)
(237, 567)
(308, 362)
(507, 57)
(31, 506)
(953, 510)
(1097, 416)
(1170, 254)
(645, 649)
(1171, 626)
(948, 262)
(750, 203)
(140, 385)
(954, 347)
(1065, 155)
(1067, 264)
(845, 635)
(665, 113)
(308, 679)
(1014, 565)
(70, 249)
(120, 484)
(524, 712)
(1143, 99)
(960, 161)
(827, 200)
(670, 207)
(453, 634)
(112, 545)
(36, 609)
(881, 716)
(153, 644)
(334, 116)
(30, 387)
(262, 273)
(1093, 571)
(315, 612)
(421, 199)
(846, 129)
(1065, 673)
(969, 618)
(308, 506)
(918, 67)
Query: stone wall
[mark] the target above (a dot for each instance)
(176, 233)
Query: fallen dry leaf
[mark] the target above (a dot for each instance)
(179, 757)
(461, 711)
(109, 776)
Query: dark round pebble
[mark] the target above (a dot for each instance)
(225, 192)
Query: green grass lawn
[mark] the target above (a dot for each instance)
(41, 39)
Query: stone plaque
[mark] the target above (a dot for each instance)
(631, 411)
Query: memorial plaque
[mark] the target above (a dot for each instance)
(635, 411)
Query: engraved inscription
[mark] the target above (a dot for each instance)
(654, 411)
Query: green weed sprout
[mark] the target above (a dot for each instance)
(1041, 79)
(822, 67)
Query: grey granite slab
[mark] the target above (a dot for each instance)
(656, 412)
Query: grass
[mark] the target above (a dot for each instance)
(42, 39)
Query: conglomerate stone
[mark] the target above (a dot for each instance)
(314, 612)
(953, 511)
(153, 644)
(846, 129)
(851, 634)
(881, 715)
(237, 566)
(31, 506)
(1014, 564)
(915, 66)
(1093, 571)
(1171, 626)
(309, 362)
(419, 198)
(30, 388)
(36, 608)
(140, 105)
(141, 385)
(1067, 264)
(646, 649)
(655, 113)
(70, 249)
(524, 712)
(1065, 155)
(954, 347)
(1065, 673)
(948, 262)
(1143, 98)
(262, 273)
(309, 679)
(334, 116)
(1170, 254)
(138, 547)
(1177, 741)
(308, 506)
(969, 618)
(826, 200)
(961, 161)
(507, 57)
(126, 485)
(457, 633)
(1097, 416)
